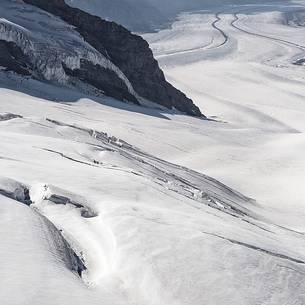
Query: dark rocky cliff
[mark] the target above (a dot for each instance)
(13, 59)
(129, 52)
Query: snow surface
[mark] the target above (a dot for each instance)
(123, 188)
(251, 84)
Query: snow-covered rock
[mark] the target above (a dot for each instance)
(60, 44)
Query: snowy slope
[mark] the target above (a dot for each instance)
(103, 202)
(146, 230)
(243, 71)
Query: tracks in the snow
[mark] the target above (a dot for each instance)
(205, 47)
(226, 38)
(222, 33)
(185, 51)
(234, 24)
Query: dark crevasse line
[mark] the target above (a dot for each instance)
(20, 194)
(67, 157)
(72, 260)
(256, 248)
(9, 116)
(291, 269)
(186, 181)
(300, 62)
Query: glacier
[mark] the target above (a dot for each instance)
(103, 202)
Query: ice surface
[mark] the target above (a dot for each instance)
(126, 187)
(252, 84)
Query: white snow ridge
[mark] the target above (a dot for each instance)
(108, 203)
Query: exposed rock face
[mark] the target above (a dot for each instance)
(39, 44)
(13, 59)
(129, 52)
(104, 79)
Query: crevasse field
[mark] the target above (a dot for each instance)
(139, 206)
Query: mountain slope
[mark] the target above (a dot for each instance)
(149, 15)
(138, 15)
(104, 202)
(86, 52)
(147, 231)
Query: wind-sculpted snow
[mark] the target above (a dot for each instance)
(178, 179)
(111, 203)
(92, 241)
(59, 197)
(141, 226)
(19, 192)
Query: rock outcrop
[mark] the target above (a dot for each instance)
(129, 52)
(103, 79)
(13, 59)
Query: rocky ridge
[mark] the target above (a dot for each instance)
(115, 61)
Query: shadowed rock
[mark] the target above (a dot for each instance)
(129, 52)
(13, 59)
